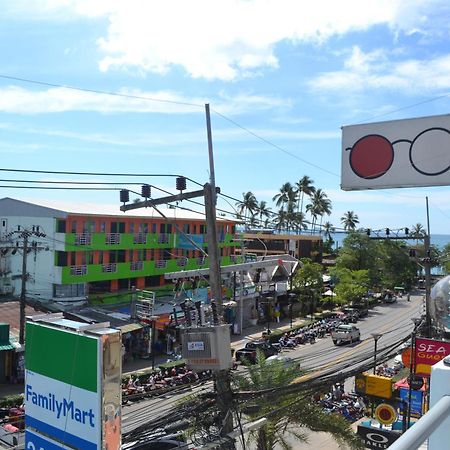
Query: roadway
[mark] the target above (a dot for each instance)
(393, 321)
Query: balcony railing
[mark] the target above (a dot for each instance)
(182, 262)
(140, 238)
(113, 238)
(78, 270)
(109, 268)
(201, 261)
(161, 264)
(136, 265)
(83, 239)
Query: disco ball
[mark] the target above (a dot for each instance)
(440, 304)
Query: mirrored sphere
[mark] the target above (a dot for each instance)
(440, 303)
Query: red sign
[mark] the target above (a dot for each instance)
(427, 353)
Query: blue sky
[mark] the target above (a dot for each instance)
(281, 78)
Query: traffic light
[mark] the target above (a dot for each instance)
(146, 191)
(124, 195)
(181, 183)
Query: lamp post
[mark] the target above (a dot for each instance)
(417, 321)
(375, 336)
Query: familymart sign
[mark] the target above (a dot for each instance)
(63, 385)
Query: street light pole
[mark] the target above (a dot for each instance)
(375, 336)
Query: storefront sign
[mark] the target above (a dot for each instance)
(37, 441)
(427, 353)
(385, 414)
(72, 386)
(377, 437)
(375, 385)
(416, 400)
(397, 153)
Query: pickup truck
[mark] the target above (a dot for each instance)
(344, 334)
(250, 349)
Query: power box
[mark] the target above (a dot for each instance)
(207, 348)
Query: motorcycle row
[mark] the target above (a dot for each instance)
(160, 382)
(309, 333)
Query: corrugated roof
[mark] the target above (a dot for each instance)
(130, 327)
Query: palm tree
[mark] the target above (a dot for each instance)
(282, 220)
(263, 211)
(287, 411)
(350, 220)
(418, 231)
(248, 204)
(286, 196)
(304, 186)
(320, 205)
(327, 229)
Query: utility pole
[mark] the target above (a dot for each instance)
(23, 289)
(427, 265)
(223, 388)
(24, 235)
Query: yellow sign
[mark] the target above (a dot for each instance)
(378, 386)
(385, 414)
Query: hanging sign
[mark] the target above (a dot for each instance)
(427, 353)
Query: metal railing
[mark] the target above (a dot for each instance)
(423, 428)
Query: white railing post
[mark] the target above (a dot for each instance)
(440, 387)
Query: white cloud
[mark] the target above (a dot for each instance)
(373, 70)
(14, 99)
(228, 39)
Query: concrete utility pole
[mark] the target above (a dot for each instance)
(24, 235)
(223, 388)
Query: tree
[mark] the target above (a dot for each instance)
(304, 186)
(349, 220)
(248, 204)
(351, 285)
(285, 197)
(417, 232)
(320, 205)
(263, 211)
(308, 282)
(286, 411)
(327, 230)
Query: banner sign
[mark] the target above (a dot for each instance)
(427, 353)
(416, 400)
(72, 385)
(374, 385)
(377, 437)
(398, 153)
(194, 242)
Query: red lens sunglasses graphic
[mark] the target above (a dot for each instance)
(372, 155)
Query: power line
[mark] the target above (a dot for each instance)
(97, 91)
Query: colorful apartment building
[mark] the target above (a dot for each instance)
(74, 255)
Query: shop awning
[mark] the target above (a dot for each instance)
(6, 346)
(129, 327)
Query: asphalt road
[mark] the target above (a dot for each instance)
(393, 321)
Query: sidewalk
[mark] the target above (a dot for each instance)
(145, 365)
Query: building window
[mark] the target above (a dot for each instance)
(202, 229)
(102, 227)
(74, 226)
(186, 228)
(131, 227)
(154, 228)
(73, 258)
(60, 226)
(100, 257)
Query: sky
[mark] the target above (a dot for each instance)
(121, 87)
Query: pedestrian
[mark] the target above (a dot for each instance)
(408, 297)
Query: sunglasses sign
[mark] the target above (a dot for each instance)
(399, 153)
